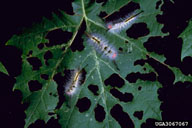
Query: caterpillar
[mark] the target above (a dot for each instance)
(74, 82)
(102, 46)
(122, 23)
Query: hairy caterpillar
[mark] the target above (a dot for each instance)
(122, 23)
(102, 46)
(74, 82)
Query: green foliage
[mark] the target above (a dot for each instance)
(3, 69)
(187, 45)
(98, 69)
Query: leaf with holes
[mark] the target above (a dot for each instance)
(118, 75)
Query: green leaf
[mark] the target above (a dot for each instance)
(187, 45)
(41, 102)
(98, 69)
(3, 69)
(179, 76)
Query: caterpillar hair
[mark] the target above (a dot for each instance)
(123, 23)
(102, 46)
(74, 82)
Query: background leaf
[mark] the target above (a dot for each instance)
(185, 35)
(3, 69)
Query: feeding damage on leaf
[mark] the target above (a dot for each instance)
(99, 113)
(35, 62)
(127, 97)
(117, 82)
(83, 104)
(122, 117)
(34, 85)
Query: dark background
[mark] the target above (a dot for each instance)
(176, 98)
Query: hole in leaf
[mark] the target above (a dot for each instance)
(99, 113)
(45, 76)
(78, 41)
(83, 104)
(186, 65)
(138, 114)
(121, 49)
(30, 53)
(51, 113)
(94, 89)
(126, 97)
(139, 88)
(139, 62)
(165, 75)
(35, 62)
(164, 46)
(40, 46)
(38, 124)
(173, 52)
(34, 85)
(52, 123)
(133, 77)
(102, 14)
(58, 37)
(138, 30)
(121, 117)
(155, 44)
(60, 80)
(48, 55)
(158, 4)
(115, 81)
